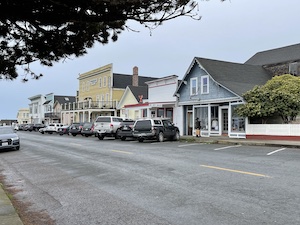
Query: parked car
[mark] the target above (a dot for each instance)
(75, 128)
(107, 126)
(42, 130)
(87, 129)
(155, 129)
(21, 126)
(36, 127)
(27, 126)
(63, 130)
(9, 139)
(52, 128)
(125, 130)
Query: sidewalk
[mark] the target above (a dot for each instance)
(9, 216)
(241, 141)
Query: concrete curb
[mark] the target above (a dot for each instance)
(8, 214)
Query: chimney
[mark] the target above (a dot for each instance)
(135, 76)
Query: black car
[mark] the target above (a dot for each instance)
(125, 130)
(155, 129)
(35, 127)
(75, 129)
(87, 129)
(63, 130)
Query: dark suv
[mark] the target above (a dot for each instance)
(155, 129)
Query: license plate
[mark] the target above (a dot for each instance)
(4, 143)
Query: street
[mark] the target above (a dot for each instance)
(79, 180)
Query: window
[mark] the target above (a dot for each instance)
(204, 85)
(237, 123)
(214, 118)
(104, 81)
(201, 117)
(194, 86)
(100, 82)
(160, 112)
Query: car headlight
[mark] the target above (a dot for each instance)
(15, 139)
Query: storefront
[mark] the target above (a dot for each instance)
(215, 120)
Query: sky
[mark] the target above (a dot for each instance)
(230, 31)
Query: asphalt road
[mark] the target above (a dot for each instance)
(79, 180)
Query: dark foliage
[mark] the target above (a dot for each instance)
(50, 30)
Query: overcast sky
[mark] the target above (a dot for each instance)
(230, 31)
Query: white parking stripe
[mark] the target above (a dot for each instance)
(186, 145)
(232, 146)
(278, 150)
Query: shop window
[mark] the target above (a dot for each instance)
(201, 118)
(160, 112)
(214, 118)
(237, 122)
(169, 113)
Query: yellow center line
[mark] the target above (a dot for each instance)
(121, 152)
(235, 171)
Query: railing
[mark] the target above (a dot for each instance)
(52, 115)
(89, 105)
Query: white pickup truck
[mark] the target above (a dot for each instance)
(107, 126)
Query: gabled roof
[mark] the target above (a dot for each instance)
(140, 90)
(275, 56)
(64, 99)
(123, 80)
(236, 77)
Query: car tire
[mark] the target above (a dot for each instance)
(18, 148)
(176, 137)
(74, 135)
(123, 138)
(140, 139)
(160, 137)
(100, 137)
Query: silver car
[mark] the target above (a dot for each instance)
(9, 139)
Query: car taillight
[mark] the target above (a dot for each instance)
(153, 130)
(92, 128)
(111, 126)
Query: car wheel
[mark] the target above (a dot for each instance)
(160, 137)
(123, 138)
(61, 134)
(18, 148)
(100, 137)
(176, 136)
(74, 135)
(42, 132)
(87, 135)
(141, 139)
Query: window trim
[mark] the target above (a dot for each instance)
(191, 86)
(202, 85)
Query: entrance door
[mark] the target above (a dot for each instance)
(224, 121)
(190, 123)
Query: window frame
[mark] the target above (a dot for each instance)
(193, 90)
(203, 85)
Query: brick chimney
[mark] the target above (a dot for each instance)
(135, 76)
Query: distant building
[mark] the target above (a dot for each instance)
(23, 116)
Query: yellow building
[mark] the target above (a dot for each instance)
(23, 116)
(99, 92)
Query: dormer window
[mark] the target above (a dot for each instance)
(204, 85)
(194, 86)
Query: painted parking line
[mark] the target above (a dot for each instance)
(123, 152)
(231, 146)
(235, 171)
(186, 145)
(278, 150)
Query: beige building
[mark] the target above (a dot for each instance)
(100, 91)
(23, 116)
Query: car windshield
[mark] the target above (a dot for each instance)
(6, 130)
